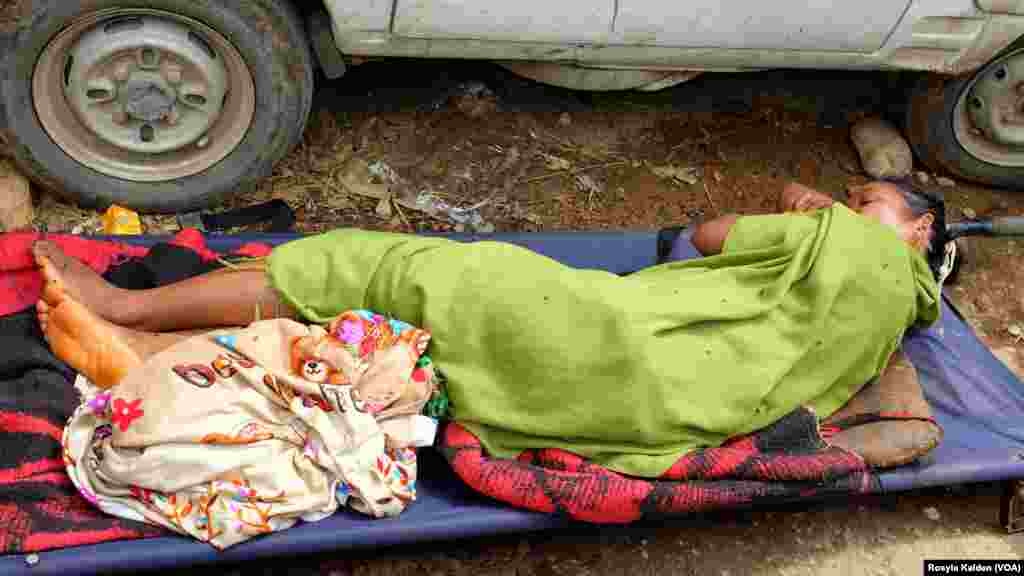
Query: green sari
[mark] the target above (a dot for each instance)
(633, 372)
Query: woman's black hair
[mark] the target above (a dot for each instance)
(921, 201)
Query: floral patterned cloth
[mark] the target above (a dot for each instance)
(244, 432)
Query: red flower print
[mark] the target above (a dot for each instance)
(384, 465)
(368, 346)
(419, 375)
(142, 494)
(125, 412)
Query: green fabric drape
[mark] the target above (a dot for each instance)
(633, 372)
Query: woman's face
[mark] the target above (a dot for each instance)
(885, 203)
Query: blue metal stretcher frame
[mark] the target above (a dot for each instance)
(976, 399)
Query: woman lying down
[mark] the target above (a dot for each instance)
(235, 432)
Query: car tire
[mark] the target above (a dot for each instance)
(259, 69)
(944, 137)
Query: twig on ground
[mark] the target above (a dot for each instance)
(572, 172)
(706, 140)
(401, 214)
(707, 191)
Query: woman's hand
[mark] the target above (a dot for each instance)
(799, 198)
(709, 237)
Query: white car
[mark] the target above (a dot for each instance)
(171, 105)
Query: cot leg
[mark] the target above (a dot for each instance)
(1011, 509)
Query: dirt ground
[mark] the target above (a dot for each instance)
(528, 157)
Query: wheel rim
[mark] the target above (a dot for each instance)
(988, 120)
(143, 95)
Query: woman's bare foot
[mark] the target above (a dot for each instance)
(99, 350)
(83, 284)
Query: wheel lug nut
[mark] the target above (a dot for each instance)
(150, 58)
(122, 72)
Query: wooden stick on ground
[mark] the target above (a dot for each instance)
(708, 193)
(572, 172)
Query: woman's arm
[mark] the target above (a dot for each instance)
(710, 236)
(799, 198)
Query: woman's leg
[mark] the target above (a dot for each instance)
(218, 299)
(94, 347)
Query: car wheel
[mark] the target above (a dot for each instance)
(973, 126)
(156, 105)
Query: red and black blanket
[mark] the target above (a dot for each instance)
(40, 509)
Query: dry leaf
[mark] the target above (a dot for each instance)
(587, 184)
(16, 211)
(384, 207)
(680, 174)
(556, 163)
(357, 179)
(1016, 331)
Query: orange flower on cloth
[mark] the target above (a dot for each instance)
(124, 413)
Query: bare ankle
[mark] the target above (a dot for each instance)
(128, 308)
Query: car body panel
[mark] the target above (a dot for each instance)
(1002, 6)
(945, 36)
(826, 25)
(360, 15)
(566, 22)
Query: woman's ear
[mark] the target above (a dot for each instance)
(923, 229)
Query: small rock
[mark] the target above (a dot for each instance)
(565, 119)
(882, 149)
(969, 213)
(945, 182)
(644, 554)
(15, 200)
(1008, 355)
(932, 513)
(922, 177)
